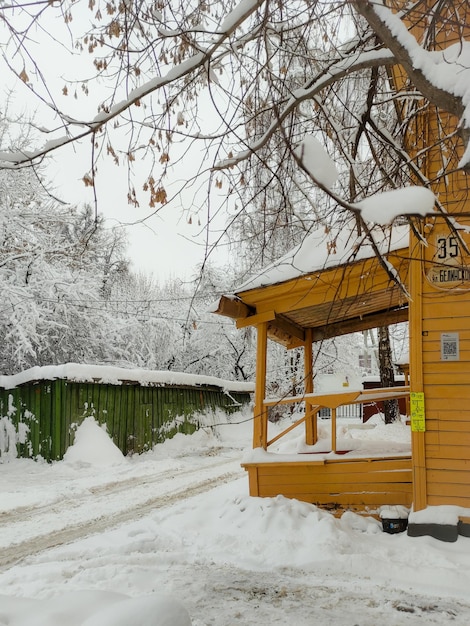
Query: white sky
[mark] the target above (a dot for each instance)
(167, 244)
(90, 539)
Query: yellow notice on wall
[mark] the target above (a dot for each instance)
(418, 419)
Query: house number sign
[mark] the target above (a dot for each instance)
(448, 269)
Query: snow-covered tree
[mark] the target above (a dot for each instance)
(213, 345)
(68, 294)
(170, 327)
(56, 265)
(205, 59)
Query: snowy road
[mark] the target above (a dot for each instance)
(28, 530)
(179, 521)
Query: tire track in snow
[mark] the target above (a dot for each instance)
(39, 543)
(21, 513)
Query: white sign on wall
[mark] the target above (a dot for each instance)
(450, 347)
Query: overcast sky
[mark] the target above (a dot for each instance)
(166, 244)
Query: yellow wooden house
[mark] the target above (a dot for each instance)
(330, 286)
(327, 287)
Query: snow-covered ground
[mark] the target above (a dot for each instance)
(172, 538)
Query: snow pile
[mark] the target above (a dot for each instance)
(357, 439)
(153, 610)
(8, 439)
(438, 515)
(92, 445)
(394, 512)
(94, 608)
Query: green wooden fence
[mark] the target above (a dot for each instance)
(43, 416)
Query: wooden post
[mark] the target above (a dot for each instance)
(260, 419)
(310, 416)
(333, 429)
(416, 369)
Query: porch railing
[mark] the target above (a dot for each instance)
(315, 402)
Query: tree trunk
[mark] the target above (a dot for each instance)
(387, 374)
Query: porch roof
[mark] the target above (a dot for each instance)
(333, 284)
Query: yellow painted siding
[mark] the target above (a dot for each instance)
(441, 455)
(356, 484)
(439, 282)
(446, 309)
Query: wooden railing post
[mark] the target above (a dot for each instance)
(310, 415)
(333, 429)
(260, 419)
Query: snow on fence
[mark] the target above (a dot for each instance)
(41, 408)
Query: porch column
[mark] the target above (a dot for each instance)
(310, 416)
(418, 448)
(260, 418)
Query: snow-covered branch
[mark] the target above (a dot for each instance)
(337, 71)
(442, 76)
(186, 67)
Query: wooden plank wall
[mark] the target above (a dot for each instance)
(355, 484)
(447, 400)
(136, 417)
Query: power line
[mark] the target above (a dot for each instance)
(102, 306)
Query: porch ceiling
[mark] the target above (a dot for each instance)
(336, 301)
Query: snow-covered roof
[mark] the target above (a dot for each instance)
(117, 375)
(320, 251)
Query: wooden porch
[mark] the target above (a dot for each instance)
(360, 485)
(323, 289)
(327, 474)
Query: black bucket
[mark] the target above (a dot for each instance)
(392, 526)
